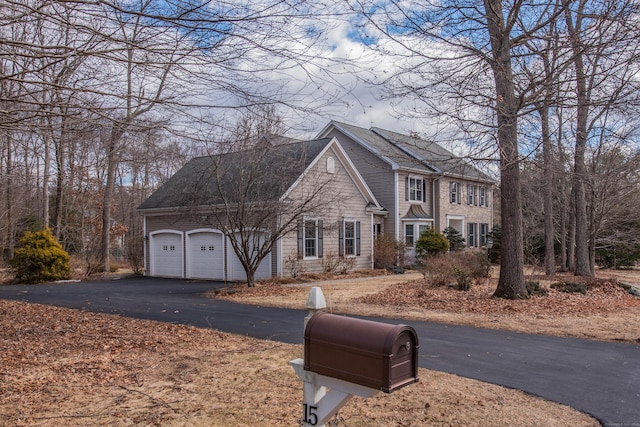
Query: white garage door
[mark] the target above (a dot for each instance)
(205, 256)
(166, 253)
(237, 271)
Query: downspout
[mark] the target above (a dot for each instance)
(146, 241)
(373, 238)
(436, 203)
(279, 259)
(396, 215)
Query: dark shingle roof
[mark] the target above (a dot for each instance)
(410, 152)
(262, 174)
(433, 154)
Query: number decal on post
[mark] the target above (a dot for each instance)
(310, 417)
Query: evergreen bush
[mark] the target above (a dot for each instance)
(431, 243)
(40, 258)
(456, 241)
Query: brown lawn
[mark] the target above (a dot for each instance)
(68, 367)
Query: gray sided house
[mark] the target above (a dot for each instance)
(288, 206)
(419, 183)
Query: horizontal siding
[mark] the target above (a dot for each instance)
(347, 202)
(377, 174)
(404, 205)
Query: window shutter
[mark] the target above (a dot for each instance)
(341, 239)
(406, 188)
(300, 238)
(357, 238)
(459, 192)
(424, 191)
(320, 241)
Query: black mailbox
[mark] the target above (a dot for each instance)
(372, 354)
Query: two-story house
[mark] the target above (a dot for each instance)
(419, 183)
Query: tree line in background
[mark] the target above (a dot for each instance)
(550, 89)
(102, 101)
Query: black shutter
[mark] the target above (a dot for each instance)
(357, 238)
(424, 191)
(320, 241)
(341, 239)
(300, 238)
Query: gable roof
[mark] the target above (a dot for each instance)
(204, 180)
(408, 152)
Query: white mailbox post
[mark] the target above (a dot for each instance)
(318, 403)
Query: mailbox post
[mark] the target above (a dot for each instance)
(350, 357)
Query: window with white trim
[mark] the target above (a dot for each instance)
(472, 197)
(349, 238)
(455, 195)
(484, 234)
(415, 189)
(309, 238)
(472, 234)
(409, 237)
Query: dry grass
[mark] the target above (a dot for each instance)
(67, 367)
(72, 368)
(606, 312)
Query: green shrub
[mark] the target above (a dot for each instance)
(618, 256)
(456, 241)
(496, 247)
(40, 258)
(431, 243)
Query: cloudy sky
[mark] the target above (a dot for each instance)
(335, 91)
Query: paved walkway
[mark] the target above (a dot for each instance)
(599, 378)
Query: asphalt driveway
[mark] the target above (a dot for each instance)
(599, 378)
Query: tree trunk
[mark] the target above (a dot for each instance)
(45, 180)
(511, 283)
(60, 154)
(582, 233)
(112, 163)
(549, 233)
(571, 232)
(9, 195)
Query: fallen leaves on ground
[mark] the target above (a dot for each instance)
(68, 367)
(602, 297)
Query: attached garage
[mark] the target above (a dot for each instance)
(166, 253)
(205, 254)
(236, 271)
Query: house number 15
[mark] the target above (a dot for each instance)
(310, 417)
